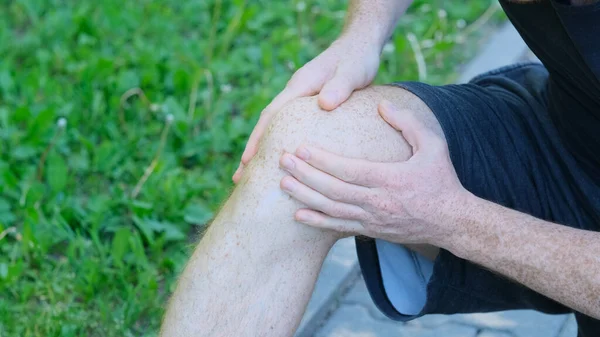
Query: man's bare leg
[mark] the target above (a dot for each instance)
(254, 271)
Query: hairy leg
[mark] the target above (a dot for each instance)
(254, 271)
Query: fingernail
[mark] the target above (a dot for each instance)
(334, 98)
(331, 98)
(287, 185)
(303, 153)
(287, 163)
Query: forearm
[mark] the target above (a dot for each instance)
(558, 261)
(373, 20)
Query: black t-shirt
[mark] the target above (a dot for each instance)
(567, 40)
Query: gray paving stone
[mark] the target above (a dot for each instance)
(339, 270)
(570, 327)
(430, 321)
(492, 333)
(359, 294)
(505, 47)
(491, 320)
(532, 323)
(355, 321)
(522, 323)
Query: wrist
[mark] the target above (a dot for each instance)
(452, 218)
(373, 38)
(473, 232)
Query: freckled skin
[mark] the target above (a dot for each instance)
(558, 261)
(262, 286)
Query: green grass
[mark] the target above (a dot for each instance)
(88, 247)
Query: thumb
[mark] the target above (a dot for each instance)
(405, 121)
(337, 90)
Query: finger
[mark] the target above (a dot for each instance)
(337, 90)
(238, 174)
(354, 171)
(321, 220)
(316, 201)
(413, 130)
(253, 141)
(329, 186)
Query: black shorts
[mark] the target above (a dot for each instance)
(505, 149)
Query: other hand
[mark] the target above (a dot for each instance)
(402, 202)
(345, 66)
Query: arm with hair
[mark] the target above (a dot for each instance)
(558, 261)
(373, 20)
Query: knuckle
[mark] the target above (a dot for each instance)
(350, 176)
(369, 227)
(339, 211)
(332, 209)
(353, 214)
(335, 193)
(354, 197)
(370, 198)
(318, 220)
(358, 79)
(300, 173)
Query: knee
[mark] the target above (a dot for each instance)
(354, 129)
